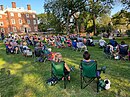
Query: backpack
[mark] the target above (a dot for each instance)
(101, 85)
(104, 84)
(52, 81)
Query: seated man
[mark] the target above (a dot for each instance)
(74, 44)
(102, 43)
(90, 42)
(86, 57)
(123, 49)
(113, 42)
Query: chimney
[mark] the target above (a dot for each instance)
(13, 5)
(1, 7)
(29, 7)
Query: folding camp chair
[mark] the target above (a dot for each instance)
(107, 52)
(123, 52)
(57, 70)
(38, 53)
(88, 72)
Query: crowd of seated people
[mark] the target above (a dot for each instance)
(117, 51)
(16, 43)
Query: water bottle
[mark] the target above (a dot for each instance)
(72, 69)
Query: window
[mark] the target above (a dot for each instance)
(28, 21)
(13, 21)
(29, 29)
(2, 30)
(27, 15)
(8, 29)
(35, 28)
(20, 21)
(1, 24)
(21, 29)
(19, 14)
(14, 29)
(34, 22)
(0, 16)
(34, 16)
(12, 14)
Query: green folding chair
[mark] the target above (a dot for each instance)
(88, 72)
(57, 70)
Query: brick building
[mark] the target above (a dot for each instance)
(18, 20)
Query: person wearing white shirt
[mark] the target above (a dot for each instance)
(102, 42)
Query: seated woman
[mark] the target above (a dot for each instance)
(58, 58)
(15, 46)
(10, 49)
(114, 50)
(68, 42)
(81, 45)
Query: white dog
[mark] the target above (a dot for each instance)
(108, 84)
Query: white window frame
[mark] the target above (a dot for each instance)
(1, 23)
(34, 16)
(20, 21)
(35, 28)
(28, 21)
(34, 22)
(8, 29)
(14, 29)
(29, 29)
(21, 29)
(2, 29)
(0, 16)
(12, 14)
(27, 15)
(13, 21)
(19, 14)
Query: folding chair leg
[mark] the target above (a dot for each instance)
(97, 85)
(64, 82)
(81, 82)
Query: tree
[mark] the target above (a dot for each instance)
(104, 23)
(64, 9)
(121, 20)
(97, 8)
(49, 21)
(126, 3)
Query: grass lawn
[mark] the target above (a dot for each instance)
(28, 78)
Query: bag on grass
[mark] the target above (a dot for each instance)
(104, 84)
(52, 81)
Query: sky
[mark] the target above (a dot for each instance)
(116, 8)
(37, 5)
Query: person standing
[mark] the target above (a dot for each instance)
(2, 35)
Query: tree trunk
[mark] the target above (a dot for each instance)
(67, 25)
(94, 24)
(77, 26)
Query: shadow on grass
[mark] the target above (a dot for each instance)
(8, 83)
